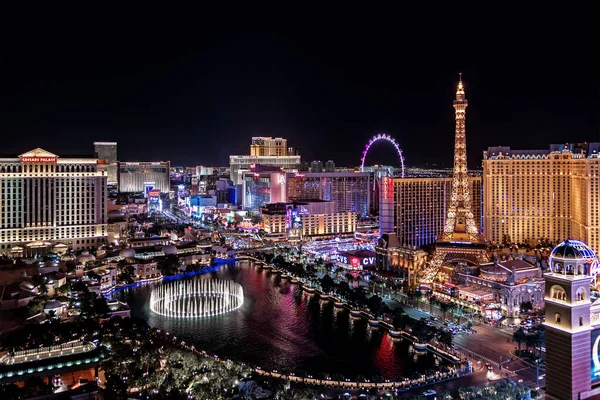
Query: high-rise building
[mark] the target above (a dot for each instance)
(330, 166)
(262, 188)
(416, 209)
(108, 151)
(572, 323)
(264, 151)
(141, 177)
(349, 190)
(316, 166)
(268, 146)
(535, 194)
(50, 203)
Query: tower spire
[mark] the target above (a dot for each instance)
(460, 91)
(459, 219)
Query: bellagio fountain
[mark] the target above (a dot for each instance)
(196, 298)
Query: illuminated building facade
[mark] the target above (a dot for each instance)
(264, 151)
(47, 200)
(534, 194)
(415, 209)
(138, 177)
(572, 324)
(108, 151)
(505, 285)
(390, 256)
(268, 146)
(299, 220)
(348, 190)
(261, 188)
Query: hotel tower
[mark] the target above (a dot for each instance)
(50, 203)
(552, 194)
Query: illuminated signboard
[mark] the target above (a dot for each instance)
(357, 262)
(288, 216)
(296, 220)
(595, 369)
(39, 159)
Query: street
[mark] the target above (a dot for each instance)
(489, 344)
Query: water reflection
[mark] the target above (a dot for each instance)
(284, 328)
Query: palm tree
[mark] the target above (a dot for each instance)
(444, 307)
(519, 336)
(357, 280)
(349, 278)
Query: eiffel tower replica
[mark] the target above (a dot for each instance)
(461, 240)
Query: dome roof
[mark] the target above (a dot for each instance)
(127, 253)
(573, 250)
(495, 272)
(85, 257)
(52, 304)
(27, 285)
(169, 250)
(68, 257)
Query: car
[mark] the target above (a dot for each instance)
(429, 392)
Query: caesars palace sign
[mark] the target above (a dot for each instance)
(38, 159)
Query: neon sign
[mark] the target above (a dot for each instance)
(39, 159)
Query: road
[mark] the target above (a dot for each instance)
(489, 344)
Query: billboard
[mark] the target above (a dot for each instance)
(278, 186)
(288, 216)
(356, 261)
(296, 219)
(595, 361)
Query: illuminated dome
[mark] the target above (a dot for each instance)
(494, 272)
(169, 250)
(68, 257)
(127, 253)
(85, 257)
(573, 257)
(573, 250)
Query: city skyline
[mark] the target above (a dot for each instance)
(324, 83)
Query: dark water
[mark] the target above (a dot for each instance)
(281, 327)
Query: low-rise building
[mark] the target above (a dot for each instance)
(315, 218)
(146, 269)
(504, 286)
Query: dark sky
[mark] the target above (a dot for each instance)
(194, 86)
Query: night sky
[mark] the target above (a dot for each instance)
(193, 87)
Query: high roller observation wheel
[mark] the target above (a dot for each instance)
(387, 138)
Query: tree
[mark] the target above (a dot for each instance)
(375, 304)
(526, 306)
(349, 278)
(327, 283)
(169, 265)
(64, 289)
(444, 307)
(519, 336)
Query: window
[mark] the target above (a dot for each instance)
(580, 321)
(558, 293)
(557, 318)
